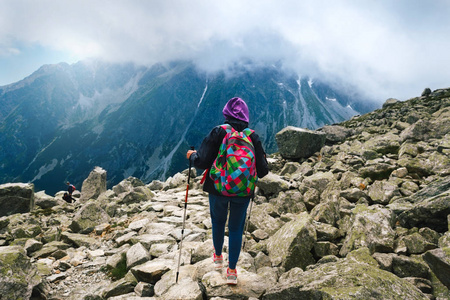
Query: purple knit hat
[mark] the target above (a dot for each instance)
(236, 108)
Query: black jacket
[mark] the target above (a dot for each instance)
(207, 153)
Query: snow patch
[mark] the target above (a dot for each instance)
(98, 129)
(310, 83)
(129, 172)
(203, 95)
(331, 99)
(45, 169)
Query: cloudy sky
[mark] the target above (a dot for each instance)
(387, 48)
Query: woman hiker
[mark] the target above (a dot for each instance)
(236, 114)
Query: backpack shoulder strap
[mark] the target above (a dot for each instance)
(228, 128)
(248, 131)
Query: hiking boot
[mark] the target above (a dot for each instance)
(231, 276)
(218, 261)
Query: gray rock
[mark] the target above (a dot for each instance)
(383, 144)
(385, 260)
(79, 240)
(127, 185)
(336, 133)
(353, 194)
(296, 143)
(18, 275)
(88, 217)
(322, 249)
(156, 185)
(381, 192)
(431, 213)
(137, 255)
(416, 244)
(32, 245)
(444, 241)
(120, 287)
(260, 219)
(168, 280)
(288, 202)
(290, 246)
(147, 240)
(137, 195)
(327, 211)
(16, 198)
(44, 201)
(290, 168)
(272, 184)
(344, 279)
(371, 227)
(390, 102)
(94, 185)
(419, 131)
(439, 262)
(139, 224)
(153, 270)
(404, 266)
(435, 188)
(186, 288)
(143, 289)
(326, 232)
(377, 170)
(318, 181)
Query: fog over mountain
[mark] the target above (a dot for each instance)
(63, 120)
(380, 49)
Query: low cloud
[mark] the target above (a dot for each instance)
(382, 48)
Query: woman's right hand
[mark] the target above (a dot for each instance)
(189, 153)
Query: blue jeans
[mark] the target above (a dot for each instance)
(218, 206)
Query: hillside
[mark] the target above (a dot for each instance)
(63, 120)
(364, 217)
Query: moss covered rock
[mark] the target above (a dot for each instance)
(18, 276)
(371, 227)
(291, 246)
(345, 279)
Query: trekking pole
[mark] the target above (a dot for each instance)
(248, 220)
(184, 216)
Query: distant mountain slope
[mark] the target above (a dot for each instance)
(63, 120)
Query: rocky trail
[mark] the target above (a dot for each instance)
(356, 210)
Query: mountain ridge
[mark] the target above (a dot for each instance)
(366, 216)
(64, 119)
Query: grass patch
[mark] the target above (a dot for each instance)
(120, 270)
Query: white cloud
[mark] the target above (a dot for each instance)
(384, 48)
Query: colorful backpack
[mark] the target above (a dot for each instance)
(234, 170)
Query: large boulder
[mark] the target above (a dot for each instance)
(89, 216)
(153, 270)
(291, 245)
(384, 144)
(44, 201)
(127, 185)
(16, 198)
(381, 192)
(431, 212)
(372, 227)
(272, 184)
(439, 262)
(296, 143)
(18, 276)
(345, 279)
(336, 133)
(94, 185)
